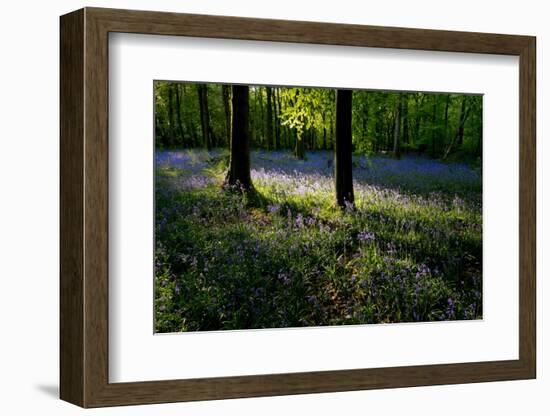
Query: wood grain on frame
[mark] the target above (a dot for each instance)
(84, 207)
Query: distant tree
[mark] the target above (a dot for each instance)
(405, 118)
(343, 176)
(239, 162)
(276, 117)
(464, 112)
(433, 124)
(178, 115)
(459, 136)
(397, 128)
(172, 129)
(202, 90)
(269, 120)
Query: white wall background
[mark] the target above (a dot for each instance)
(29, 159)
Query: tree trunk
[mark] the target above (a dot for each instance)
(178, 114)
(277, 106)
(226, 98)
(462, 122)
(262, 120)
(460, 130)
(239, 163)
(397, 129)
(446, 123)
(171, 130)
(405, 117)
(299, 150)
(434, 114)
(269, 119)
(324, 133)
(342, 150)
(331, 135)
(205, 116)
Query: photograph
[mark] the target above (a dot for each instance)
(300, 206)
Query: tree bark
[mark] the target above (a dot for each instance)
(239, 163)
(460, 130)
(178, 115)
(463, 115)
(171, 130)
(299, 150)
(446, 123)
(405, 118)
(434, 115)
(205, 115)
(277, 106)
(269, 119)
(343, 176)
(226, 98)
(397, 129)
(324, 131)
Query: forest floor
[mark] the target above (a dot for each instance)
(411, 249)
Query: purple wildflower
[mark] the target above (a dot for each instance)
(365, 236)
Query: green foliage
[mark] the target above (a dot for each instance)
(303, 119)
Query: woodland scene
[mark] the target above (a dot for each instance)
(302, 206)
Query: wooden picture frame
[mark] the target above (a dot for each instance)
(84, 207)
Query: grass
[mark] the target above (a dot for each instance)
(410, 251)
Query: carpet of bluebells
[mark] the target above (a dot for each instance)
(410, 250)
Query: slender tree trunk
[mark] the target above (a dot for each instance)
(323, 115)
(277, 106)
(343, 176)
(462, 122)
(226, 98)
(460, 129)
(446, 123)
(397, 129)
(331, 136)
(434, 114)
(178, 114)
(171, 130)
(239, 163)
(262, 119)
(299, 150)
(405, 117)
(269, 119)
(205, 116)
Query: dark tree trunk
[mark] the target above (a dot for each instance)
(446, 122)
(299, 150)
(171, 130)
(324, 131)
(205, 115)
(397, 129)
(277, 106)
(331, 136)
(269, 119)
(459, 136)
(261, 139)
(226, 98)
(178, 114)
(462, 119)
(239, 163)
(343, 148)
(405, 117)
(434, 115)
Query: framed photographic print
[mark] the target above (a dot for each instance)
(255, 207)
